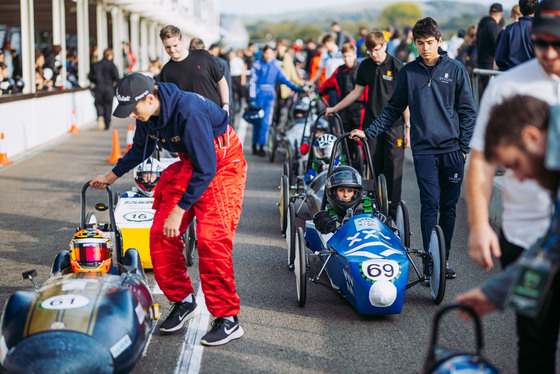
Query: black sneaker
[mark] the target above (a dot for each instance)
(222, 332)
(449, 273)
(180, 314)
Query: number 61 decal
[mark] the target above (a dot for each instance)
(376, 270)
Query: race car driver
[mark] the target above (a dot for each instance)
(207, 182)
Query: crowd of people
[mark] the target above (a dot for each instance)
(392, 91)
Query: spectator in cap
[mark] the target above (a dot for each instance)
(489, 30)
(207, 183)
(515, 46)
(524, 220)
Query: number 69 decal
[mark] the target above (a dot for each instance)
(377, 270)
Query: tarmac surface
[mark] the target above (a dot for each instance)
(40, 210)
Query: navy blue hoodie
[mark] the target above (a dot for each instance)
(442, 112)
(187, 123)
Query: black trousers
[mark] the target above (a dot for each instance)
(537, 338)
(104, 103)
(387, 150)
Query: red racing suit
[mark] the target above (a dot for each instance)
(217, 213)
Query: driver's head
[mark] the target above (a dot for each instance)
(344, 187)
(91, 251)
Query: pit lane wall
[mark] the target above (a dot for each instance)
(32, 122)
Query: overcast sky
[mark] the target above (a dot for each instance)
(257, 7)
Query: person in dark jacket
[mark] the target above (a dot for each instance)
(378, 74)
(487, 36)
(438, 92)
(515, 45)
(207, 182)
(105, 76)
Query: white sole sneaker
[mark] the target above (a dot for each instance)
(189, 316)
(234, 335)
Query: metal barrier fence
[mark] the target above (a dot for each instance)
(477, 73)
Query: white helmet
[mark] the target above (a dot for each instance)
(146, 176)
(323, 147)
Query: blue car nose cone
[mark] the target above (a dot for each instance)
(61, 352)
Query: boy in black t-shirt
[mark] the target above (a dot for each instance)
(379, 73)
(342, 82)
(192, 70)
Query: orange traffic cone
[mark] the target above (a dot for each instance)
(116, 154)
(3, 157)
(129, 137)
(74, 129)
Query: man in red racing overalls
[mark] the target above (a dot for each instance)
(208, 182)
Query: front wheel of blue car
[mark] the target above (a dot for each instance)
(300, 267)
(436, 264)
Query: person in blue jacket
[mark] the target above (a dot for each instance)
(515, 45)
(262, 92)
(438, 92)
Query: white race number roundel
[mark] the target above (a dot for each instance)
(380, 270)
(140, 216)
(60, 302)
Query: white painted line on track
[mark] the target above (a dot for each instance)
(156, 290)
(191, 352)
(242, 130)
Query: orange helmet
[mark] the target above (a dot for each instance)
(91, 251)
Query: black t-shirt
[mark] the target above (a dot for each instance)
(198, 73)
(380, 81)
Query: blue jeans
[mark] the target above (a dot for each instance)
(439, 179)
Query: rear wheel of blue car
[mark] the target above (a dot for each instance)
(300, 267)
(382, 193)
(403, 224)
(436, 264)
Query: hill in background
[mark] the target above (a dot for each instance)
(451, 17)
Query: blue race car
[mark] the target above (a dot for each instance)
(366, 261)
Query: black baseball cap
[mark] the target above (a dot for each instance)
(496, 8)
(131, 89)
(547, 18)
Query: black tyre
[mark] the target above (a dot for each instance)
(190, 243)
(403, 224)
(272, 143)
(286, 168)
(437, 265)
(291, 234)
(90, 218)
(300, 267)
(382, 193)
(284, 201)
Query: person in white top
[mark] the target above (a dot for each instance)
(237, 69)
(331, 59)
(527, 206)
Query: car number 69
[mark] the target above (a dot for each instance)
(377, 270)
